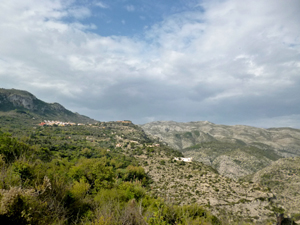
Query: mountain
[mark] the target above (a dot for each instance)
(235, 151)
(15, 102)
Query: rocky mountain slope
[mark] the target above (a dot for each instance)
(14, 101)
(188, 183)
(283, 178)
(231, 159)
(235, 151)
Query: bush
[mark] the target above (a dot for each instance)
(162, 162)
(24, 170)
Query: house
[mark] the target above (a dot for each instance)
(184, 159)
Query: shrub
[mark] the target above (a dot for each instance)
(23, 169)
(80, 189)
(162, 162)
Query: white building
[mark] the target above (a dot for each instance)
(184, 159)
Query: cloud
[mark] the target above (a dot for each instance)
(228, 62)
(101, 5)
(130, 8)
(79, 12)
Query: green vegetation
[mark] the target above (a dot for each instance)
(77, 175)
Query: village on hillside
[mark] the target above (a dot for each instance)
(59, 123)
(62, 124)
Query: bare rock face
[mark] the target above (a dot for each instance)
(22, 101)
(12, 98)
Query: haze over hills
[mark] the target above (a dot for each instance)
(13, 101)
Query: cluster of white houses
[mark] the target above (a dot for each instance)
(154, 145)
(58, 123)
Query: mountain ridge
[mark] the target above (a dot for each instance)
(277, 138)
(226, 147)
(14, 101)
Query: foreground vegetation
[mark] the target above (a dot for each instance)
(58, 175)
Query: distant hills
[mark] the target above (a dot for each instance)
(235, 151)
(264, 157)
(18, 102)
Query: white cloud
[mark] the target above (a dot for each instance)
(234, 62)
(101, 5)
(130, 8)
(79, 12)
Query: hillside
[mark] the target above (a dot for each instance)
(235, 151)
(233, 160)
(15, 102)
(178, 183)
(59, 175)
(188, 183)
(283, 178)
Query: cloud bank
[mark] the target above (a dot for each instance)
(228, 62)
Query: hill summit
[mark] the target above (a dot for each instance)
(14, 101)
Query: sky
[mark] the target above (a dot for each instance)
(224, 61)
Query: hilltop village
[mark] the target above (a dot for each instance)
(58, 123)
(62, 124)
